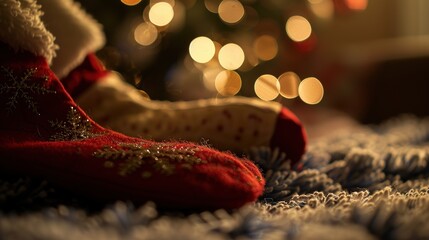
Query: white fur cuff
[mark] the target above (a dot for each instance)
(76, 33)
(22, 28)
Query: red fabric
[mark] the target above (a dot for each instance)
(289, 136)
(82, 77)
(26, 147)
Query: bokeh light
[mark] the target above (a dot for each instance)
(212, 5)
(289, 82)
(265, 47)
(243, 48)
(231, 11)
(209, 78)
(214, 61)
(161, 14)
(145, 34)
(298, 28)
(228, 83)
(231, 56)
(311, 90)
(267, 87)
(357, 4)
(202, 49)
(322, 8)
(131, 2)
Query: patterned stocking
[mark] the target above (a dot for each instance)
(45, 134)
(235, 123)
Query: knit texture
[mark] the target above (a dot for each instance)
(370, 183)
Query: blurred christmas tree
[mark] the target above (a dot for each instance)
(189, 49)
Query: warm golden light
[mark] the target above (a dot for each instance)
(289, 82)
(267, 87)
(231, 11)
(298, 28)
(357, 4)
(311, 90)
(265, 47)
(214, 61)
(228, 83)
(202, 49)
(212, 5)
(209, 78)
(145, 34)
(131, 2)
(161, 14)
(231, 56)
(322, 8)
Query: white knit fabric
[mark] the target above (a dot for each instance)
(76, 32)
(235, 123)
(22, 29)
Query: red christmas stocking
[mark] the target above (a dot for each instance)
(44, 133)
(235, 123)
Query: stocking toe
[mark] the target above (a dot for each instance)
(289, 135)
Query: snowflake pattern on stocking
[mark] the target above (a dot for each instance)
(74, 128)
(22, 89)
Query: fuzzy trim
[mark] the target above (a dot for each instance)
(22, 28)
(76, 32)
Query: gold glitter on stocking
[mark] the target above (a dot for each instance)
(164, 158)
(74, 128)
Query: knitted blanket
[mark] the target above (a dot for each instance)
(366, 183)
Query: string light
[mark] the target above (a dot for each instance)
(217, 63)
(161, 14)
(311, 90)
(267, 87)
(265, 47)
(231, 11)
(289, 82)
(231, 56)
(298, 28)
(145, 34)
(202, 49)
(131, 2)
(357, 4)
(228, 83)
